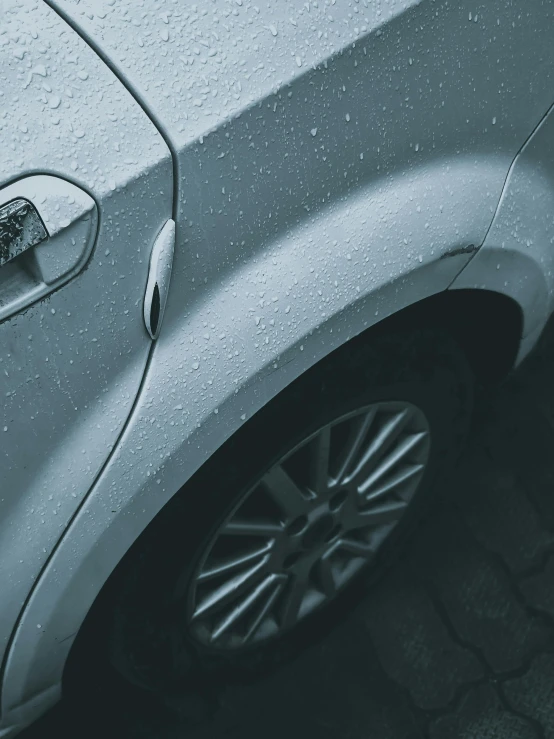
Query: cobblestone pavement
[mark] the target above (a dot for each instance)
(456, 642)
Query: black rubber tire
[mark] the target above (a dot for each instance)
(142, 609)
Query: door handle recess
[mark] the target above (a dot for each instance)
(20, 229)
(159, 276)
(47, 230)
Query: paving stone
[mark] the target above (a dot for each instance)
(533, 693)
(481, 715)
(413, 644)
(477, 594)
(539, 589)
(498, 511)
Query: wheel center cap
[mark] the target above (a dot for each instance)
(318, 531)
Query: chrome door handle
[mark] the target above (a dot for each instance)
(47, 231)
(20, 229)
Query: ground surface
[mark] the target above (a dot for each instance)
(457, 642)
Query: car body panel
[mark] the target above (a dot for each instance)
(64, 399)
(517, 257)
(264, 104)
(279, 260)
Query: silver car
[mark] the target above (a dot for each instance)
(255, 256)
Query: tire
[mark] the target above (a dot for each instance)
(144, 631)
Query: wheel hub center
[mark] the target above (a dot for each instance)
(318, 531)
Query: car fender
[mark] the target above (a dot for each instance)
(257, 330)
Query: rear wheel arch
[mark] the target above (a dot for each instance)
(487, 327)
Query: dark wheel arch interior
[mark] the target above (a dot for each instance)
(487, 325)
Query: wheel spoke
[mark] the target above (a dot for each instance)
(285, 492)
(238, 527)
(230, 589)
(319, 461)
(386, 435)
(395, 481)
(293, 601)
(358, 431)
(280, 581)
(227, 566)
(374, 516)
(241, 608)
(404, 448)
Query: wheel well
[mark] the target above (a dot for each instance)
(487, 325)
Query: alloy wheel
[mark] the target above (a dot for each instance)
(308, 526)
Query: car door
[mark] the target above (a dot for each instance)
(85, 187)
